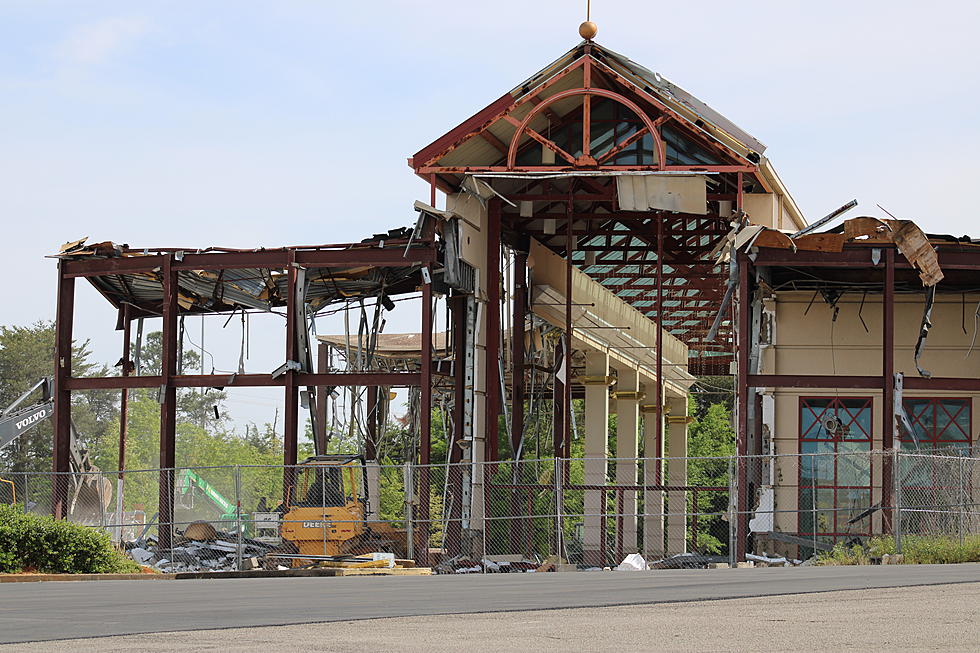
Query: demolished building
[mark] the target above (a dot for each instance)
(605, 237)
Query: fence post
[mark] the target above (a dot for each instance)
(559, 500)
(731, 511)
(962, 501)
(27, 494)
(238, 517)
(897, 473)
(409, 516)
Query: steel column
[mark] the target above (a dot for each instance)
(124, 394)
(742, 389)
(492, 373)
(62, 395)
(291, 408)
(517, 349)
(168, 407)
(425, 427)
(322, 367)
(569, 415)
(888, 389)
(660, 349)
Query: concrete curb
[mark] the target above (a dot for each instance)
(41, 578)
(299, 573)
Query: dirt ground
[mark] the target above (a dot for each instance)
(930, 618)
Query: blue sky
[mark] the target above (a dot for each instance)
(246, 123)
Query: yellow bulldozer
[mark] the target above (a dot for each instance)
(326, 514)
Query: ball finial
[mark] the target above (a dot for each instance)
(588, 30)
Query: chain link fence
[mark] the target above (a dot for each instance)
(531, 515)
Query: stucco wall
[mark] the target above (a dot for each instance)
(804, 339)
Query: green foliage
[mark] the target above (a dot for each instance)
(27, 356)
(916, 550)
(711, 440)
(41, 543)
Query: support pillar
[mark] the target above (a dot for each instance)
(653, 500)
(628, 397)
(168, 407)
(127, 368)
(371, 469)
(596, 383)
(743, 327)
(492, 369)
(291, 402)
(322, 397)
(425, 429)
(62, 395)
(677, 475)
(888, 472)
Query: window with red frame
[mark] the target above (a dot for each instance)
(835, 466)
(933, 488)
(937, 423)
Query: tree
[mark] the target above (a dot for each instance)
(204, 406)
(711, 443)
(26, 356)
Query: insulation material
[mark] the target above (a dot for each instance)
(678, 193)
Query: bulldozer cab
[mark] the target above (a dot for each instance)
(330, 481)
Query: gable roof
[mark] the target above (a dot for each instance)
(695, 113)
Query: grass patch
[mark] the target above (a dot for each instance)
(41, 543)
(916, 550)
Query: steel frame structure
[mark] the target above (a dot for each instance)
(165, 266)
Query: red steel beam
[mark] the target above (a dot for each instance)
(277, 259)
(338, 379)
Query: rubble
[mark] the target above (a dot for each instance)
(190, 554)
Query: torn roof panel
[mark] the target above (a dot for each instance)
(251, 288)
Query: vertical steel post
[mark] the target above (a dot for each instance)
(62, 395)
(517, 389)
(453, 535)
(492, 377)
(557, 411)
(425, 424)
(888, 389)
(168, 405)
(896, 462)
(741, 385)
(567, 399)
(322, 367)
(238, 518)
(517, 349)
(123, 421)
(291, 408)
(660, 350)
(962, 502)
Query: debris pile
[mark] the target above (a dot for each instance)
(461, 565)
(200, 548)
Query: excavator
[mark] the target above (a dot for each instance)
(91, 491)
(325, 513)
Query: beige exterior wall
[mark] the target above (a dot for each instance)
(804, 339)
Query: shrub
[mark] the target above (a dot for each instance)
(916, 550)
(42, 543)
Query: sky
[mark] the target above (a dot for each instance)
(247, 124)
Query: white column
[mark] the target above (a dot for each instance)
(596, 451)
(627, 442)
(653, 500)
(677, 475)
(373, 472)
